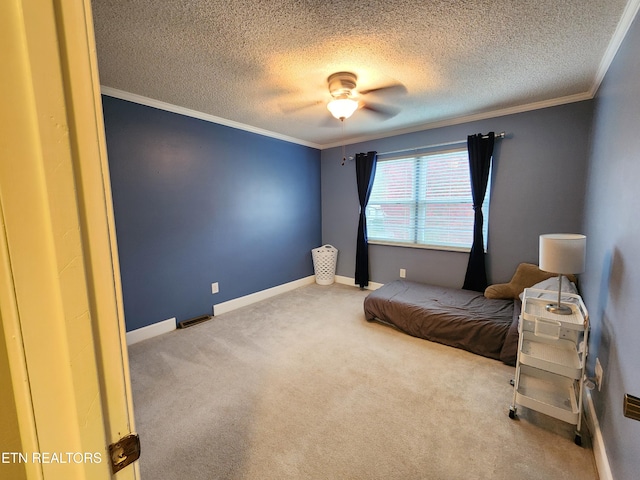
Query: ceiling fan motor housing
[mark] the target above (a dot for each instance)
(342, 84)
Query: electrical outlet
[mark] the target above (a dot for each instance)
(599, 374)
(403, 273)
(214, 288)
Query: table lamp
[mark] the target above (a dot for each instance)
(562, 253)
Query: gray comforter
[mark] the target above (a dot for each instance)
(455, 317)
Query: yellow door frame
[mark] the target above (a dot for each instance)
(63, 359)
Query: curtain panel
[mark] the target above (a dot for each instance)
(480, 149)
(365, 173)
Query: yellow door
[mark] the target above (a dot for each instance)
(65, 392)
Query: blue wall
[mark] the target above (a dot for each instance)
(196, 203)
(612, 277)
(538, 187)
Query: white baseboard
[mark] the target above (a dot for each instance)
(230, 305)
(599, 450)
(352, 282)
(169, 325)
(150, 331)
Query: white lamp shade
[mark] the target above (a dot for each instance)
(342, 108)
(563, 252)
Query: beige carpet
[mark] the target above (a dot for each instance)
(300, 386)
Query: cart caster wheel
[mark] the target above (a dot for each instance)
(578, 439)
(512, 382)
(512, 413)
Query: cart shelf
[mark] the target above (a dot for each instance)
(548, 393)
(535, 302)
(556, 356)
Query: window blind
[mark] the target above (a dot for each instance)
(424, 200)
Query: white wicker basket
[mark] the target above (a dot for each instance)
(324, 264)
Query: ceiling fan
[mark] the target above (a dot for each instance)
(346, 99)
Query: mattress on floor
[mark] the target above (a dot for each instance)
(459, 318)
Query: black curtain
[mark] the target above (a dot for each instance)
(365, 173)
(480, 152)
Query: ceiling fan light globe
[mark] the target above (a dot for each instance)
(342, 108)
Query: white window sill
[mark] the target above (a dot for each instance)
(421, 246)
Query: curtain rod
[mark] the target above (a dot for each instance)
(446, 144)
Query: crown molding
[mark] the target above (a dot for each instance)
(628, 15)
(150, 102)
(579, 97)
(168, 107)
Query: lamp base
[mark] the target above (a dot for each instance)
(559, 309)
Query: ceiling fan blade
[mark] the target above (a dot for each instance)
(396, 88)
(382, 110)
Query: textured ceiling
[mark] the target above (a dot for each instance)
(255, 62)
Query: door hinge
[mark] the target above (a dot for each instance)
(124, 452)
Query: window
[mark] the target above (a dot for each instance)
(424, 200)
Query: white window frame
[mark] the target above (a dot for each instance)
(418, 228)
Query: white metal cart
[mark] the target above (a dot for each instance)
(552, 356)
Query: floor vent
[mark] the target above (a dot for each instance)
(194, 321)
(631, 406)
